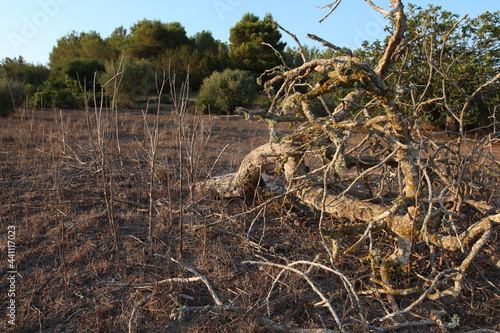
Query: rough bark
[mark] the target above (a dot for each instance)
(249, 176)
(402, 220)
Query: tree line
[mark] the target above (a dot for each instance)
(82, 62)
(148, 47)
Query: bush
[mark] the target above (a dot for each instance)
(137, 83)
(62, 93)
(11, 94)
(222, 92)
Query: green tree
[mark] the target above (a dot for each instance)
(93, 46)
(116, 42)
(29, 76)
(448, 58)
(247, 50)
(19, 80)
(222, 92)
(204, 40)
(68, 81)
(67, 47)
(83, 71)
(80, 45)
(203, 56)
(24, 72)
(11, 93)
(63, 92)
(149, 39)
(135, 80)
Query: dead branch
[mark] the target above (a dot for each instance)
(456, 289)
(332, 7)
(74, 224)
(403, 326)
(248, 177)
(203, 279)
(330, 45)
(131, 320)
(249, 313)
(309, 281)
(348, 285)
(454, 243)
(294, 37)
(152, 284)
(435, 283)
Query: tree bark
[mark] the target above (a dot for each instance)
(402, 220)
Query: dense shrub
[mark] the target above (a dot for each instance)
(83, 71)
(67, 83)
(222, 92)
(11, 94)
(63, 93)
(130, 81)
(19, 80)
(26, 73)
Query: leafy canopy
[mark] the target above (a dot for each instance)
(448, 59)
(150, 39)
(222, 92)
(247, 50)
(80, 45)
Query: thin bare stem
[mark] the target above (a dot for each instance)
(311, 284)
(203, 279)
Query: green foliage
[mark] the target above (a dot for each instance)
(164, 46)
(129, 81)
(168, 48)
(205, 41)
(83, 71)
(438, 73)
(81, 46)
(150, 39)
(222, 92)
(201, 58)
(18, 81)
(67, 83)
(67, 47)
(11, 93)
(246, 48)
(23, 72)
(116, 42)
(63, 92)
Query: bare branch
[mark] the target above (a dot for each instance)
(475, 93)
(299, 44)
(396, 41)
(435, 283)
(332, 7)
(204, 279)
(330, 45)
(309, 281)
(249, 313)
(403, 325)
(396, 5)
(152, 284)
(131, 327)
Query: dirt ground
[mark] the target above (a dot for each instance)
(92, 255)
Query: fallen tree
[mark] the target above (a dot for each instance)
(366, 161)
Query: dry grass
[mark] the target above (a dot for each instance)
(75, 276)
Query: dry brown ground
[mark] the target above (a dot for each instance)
(82, 279)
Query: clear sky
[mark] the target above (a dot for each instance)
(30, 28)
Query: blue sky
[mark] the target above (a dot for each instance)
(31, 27)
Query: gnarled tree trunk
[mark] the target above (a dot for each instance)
(423, 173)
